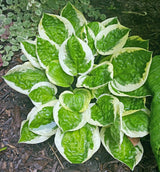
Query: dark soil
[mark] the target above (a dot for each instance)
(143, 17)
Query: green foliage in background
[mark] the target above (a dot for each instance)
(19, 20)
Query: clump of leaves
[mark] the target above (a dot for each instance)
(103, 72)
(19, 21)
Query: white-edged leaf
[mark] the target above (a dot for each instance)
(57, 76)
(141, 92)
(78, 100)
(137, 41)
(55, 28)
(29, 49)
(99, 76)
(136, 124)
(96, 27)
(68, 120)
(104, 111)
(75, 56)
(41, 119)
(78, 146)
(47, 51)
(42, 93)
(22, 77)
(110, 21)
(125, 152)
(111, 39)
(130, 68)
(101, 90)
(76, 18)
(27, 136)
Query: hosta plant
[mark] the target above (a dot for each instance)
(87, 81)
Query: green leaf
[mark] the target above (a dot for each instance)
(115, 130)
(75, 56)
(27, 136)
(42, 93)
(3, 149)
(57, 76)
(74, 16)
(155, 115)
(90, 39)
(97, 77)
(23, 77)
(41, 120)
(111, 39)
(2, 30)
(23, 58)
(101, 90)
(126, 152)
(142, 91)
(15, 48)
(38, 12)
(78, 100)
(46, 52)
(68, 120)
(96, 27)
(110, 21)
(104, 111)
(137, 41)
(153, 77)
(9, 2)
(78, 146)
(7, 21)
(55, 28)
(136, 124)
(130, 68)
(131, 104)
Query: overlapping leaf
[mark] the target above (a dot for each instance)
(75, 56)
(29, 49)
(42, 93)
(69, 120)
(23, 77)
(78, 100)
(130, 67)
(78, 146)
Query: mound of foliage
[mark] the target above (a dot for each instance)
(19, 21)
(89, 83)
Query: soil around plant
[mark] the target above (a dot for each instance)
(143, 18)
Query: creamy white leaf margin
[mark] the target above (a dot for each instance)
(117, 110)
(116, 92)
(66, 22)
(44, 130)
(63, 55)
(32, 59)
(101, 27)
(107, 21)
(131, 87)
(39, 60)
(80, 16)
(81, 79)
(19, 68)
(138, 147)
(37, 139)
(84, 120)
(105, 32)
(41, 84)
(96, 140)
(132, 133)
(72, 93)
(92, 35)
